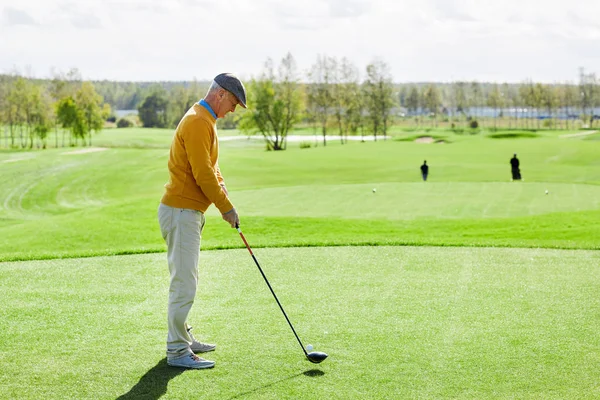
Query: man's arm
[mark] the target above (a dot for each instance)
(198, 139)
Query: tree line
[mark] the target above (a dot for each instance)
(333, 97)
(30, 109)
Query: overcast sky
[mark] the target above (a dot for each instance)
(421, 40)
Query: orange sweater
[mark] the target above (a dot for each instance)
(194, 176)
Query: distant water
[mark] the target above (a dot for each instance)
(573, 113)
(122, 113)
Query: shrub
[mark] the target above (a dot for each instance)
(124, 123)
(305, 145)
(474, 124)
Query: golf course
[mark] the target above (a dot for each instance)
(466, 286)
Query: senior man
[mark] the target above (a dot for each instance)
(195, 182)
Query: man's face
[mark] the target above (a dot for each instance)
(227, 104)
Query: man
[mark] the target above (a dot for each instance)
(424, 170)
(195, 182)
(514, 168)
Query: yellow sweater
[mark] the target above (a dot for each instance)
(194, 176)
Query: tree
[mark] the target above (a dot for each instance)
(17, 115)
(475, 98)
(276, 103)
(349, 105)
(154, 110)
(181, 99)
(90, 105)
(590, 95)
(529, 98)
(70, 117)
(413, 101)
(459, 98)
(62, 85)
(432, 101)
(378, 91)
(320, 91)
(496, 101)
(39, 115)
(549, 100)
(570, 100)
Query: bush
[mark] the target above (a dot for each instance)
(474, 124)
(305, 145)
(112, 119)
(124, 123)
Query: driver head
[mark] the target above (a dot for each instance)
(316, 357)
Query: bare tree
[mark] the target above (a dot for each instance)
(352, 117)
(460, 98)
(413, 102)
(495, 101)
(433, 101)
(379, 97)
(320, 91)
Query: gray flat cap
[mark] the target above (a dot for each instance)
(232, 84)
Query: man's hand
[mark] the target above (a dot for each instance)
(224, 189)
(232, 217)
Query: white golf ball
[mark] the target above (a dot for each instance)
(309, 347)
(547, 192)
(374, 190)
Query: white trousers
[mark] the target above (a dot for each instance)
(182, 230)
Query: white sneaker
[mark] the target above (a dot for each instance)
(190, 361)
(199, 347)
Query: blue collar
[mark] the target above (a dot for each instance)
(204, 104)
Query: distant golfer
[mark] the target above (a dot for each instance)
(424, 170)
(514, 168)
(195, 182)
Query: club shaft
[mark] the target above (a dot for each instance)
(271, 289)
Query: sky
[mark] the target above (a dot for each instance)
(420, 40)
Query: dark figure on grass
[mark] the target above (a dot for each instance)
(514, 167)
(195, 182)
(424, 170)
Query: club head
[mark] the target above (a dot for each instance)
(316, 357)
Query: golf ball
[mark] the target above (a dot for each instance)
(374, 190)
(309, 347)
(546, 191)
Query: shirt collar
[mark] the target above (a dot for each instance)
(204, 104)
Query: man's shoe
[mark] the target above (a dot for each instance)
(191, 361)
(199, 347)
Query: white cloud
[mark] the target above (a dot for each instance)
(421, 40)
(13, 16)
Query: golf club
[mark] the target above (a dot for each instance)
(315, 356)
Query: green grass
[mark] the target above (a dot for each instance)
(465, 286)
(54, 204)
(397, 322)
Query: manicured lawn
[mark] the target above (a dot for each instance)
(465, 286)
(397, 322)
(56, 204)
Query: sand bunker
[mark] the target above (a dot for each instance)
(88, 150)
(425, 139)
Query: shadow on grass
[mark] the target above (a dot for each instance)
(311, 373)
(513, 135)
(154, 383)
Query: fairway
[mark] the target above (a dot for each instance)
(465, 286)
(398, 322)
(57, 203)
